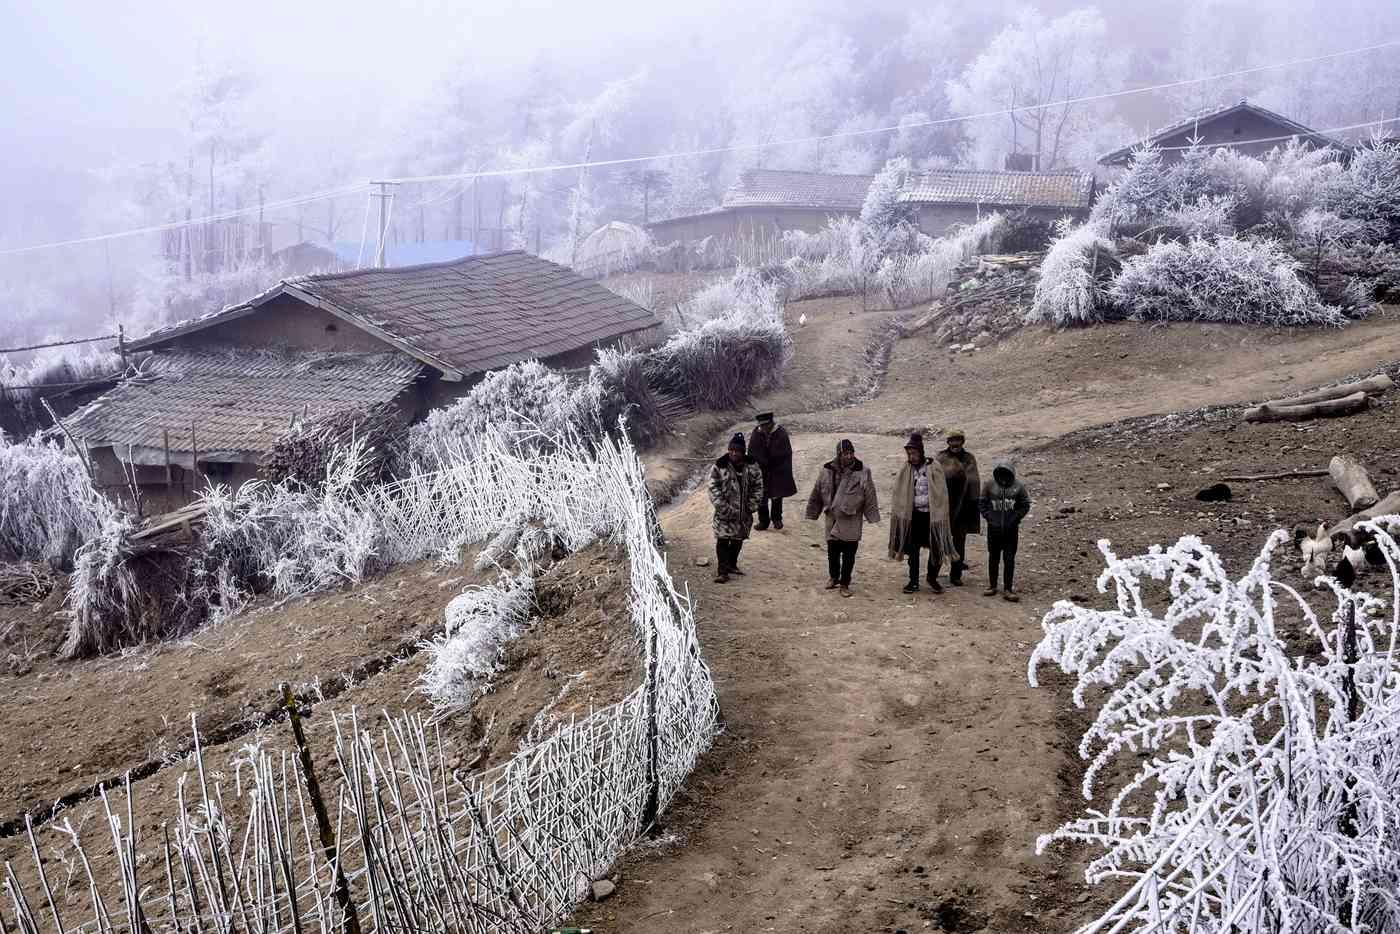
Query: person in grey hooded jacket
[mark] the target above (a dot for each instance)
(1003, 505)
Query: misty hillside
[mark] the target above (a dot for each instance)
(273, 125)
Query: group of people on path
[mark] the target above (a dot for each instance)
(938, 503)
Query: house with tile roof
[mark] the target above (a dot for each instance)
(1244, 127)
(216, 392)
(761, 205)
(942, 198)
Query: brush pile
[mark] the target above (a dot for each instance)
(25, 583)
(721, 363)
(48, 504)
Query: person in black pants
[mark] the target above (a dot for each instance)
(844, 495)
(770, 446)
(919, 516)
(1004, 504)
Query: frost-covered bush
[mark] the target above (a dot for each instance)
(1141, 194)
(48, 504)
(1265, 783)
(638, 291)
(523, 400)
(480, 622)
(1369, 190)
(1211, 216)
(909, 278)
(745, 294)
(721, 363)
(842, 259)
(1069, 290)
(1227, 280)
(886, 219)
(623, 392)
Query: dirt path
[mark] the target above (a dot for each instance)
(886, 767)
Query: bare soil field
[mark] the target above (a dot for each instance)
(885, 766)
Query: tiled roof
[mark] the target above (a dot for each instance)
(1286, 127)
(238, 402)
(463, 317)
(1068, 190)
(772, 188)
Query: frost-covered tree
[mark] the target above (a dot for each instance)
(1028, 70)
(883, 214)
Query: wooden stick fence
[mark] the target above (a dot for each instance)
(400, 843)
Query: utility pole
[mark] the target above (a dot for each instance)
(386, 208)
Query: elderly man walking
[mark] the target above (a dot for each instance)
(919, 517)
(770, 447)
(964, 492)
(736, 489)
(845, 494)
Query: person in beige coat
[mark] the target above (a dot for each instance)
(845, 494)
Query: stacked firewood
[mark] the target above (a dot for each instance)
(25, 583)
(985, 301)
(303, 453)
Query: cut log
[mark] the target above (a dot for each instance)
(1371, 386)
(1286, 475)
(1269, 412)
(1388, 506)
(1349, 476)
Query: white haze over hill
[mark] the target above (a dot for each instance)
(114, 117)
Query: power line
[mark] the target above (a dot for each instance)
(177, 225)
(717, 150)
(78, 340)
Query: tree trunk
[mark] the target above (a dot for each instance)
(1371, 386)
(1269, 412)
(1388, 506)
(1349, 476)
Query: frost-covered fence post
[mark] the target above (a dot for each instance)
(323, 820)
(653, 802)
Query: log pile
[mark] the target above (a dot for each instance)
(303, 453)
(985, 301)
(1345, 399)
(25, 583)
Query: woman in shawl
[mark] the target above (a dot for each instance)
(920, 515)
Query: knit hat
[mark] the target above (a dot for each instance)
(916, 443)
(844, 445)
(955, 434)
(762, 417)
(737, 442)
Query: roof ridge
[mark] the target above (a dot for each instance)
(810, 172)
(417, 267)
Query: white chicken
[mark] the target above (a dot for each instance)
(802, 319)
(1315, 551)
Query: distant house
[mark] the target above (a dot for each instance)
(219, 390)
(1243, 127)
(764, 203)
(944, 197)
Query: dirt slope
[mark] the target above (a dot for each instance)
(886, 767)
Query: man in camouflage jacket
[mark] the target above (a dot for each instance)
(736, 489)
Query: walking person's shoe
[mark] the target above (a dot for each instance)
(762, 528)
(934, 585)
(721, 578)
(846, 591)
(911, 587)
(989, 592)
(778, 524)
(736, 572)
(1011, 596)
(832, 584)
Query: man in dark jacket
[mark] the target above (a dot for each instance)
(770, 447)
(964, 489)
(1004, 504)
(736, 489)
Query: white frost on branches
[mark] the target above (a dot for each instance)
(48, 504)
(1228, 280)
(1068, 291)
(1267, 798)
(480, 622)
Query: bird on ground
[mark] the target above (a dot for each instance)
(1315, 550)
(802, 319)
(1359, 549)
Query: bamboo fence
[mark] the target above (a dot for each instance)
(396, 841)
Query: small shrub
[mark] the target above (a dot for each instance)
(481, 621)
(1227, 280)
(1369, 190)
